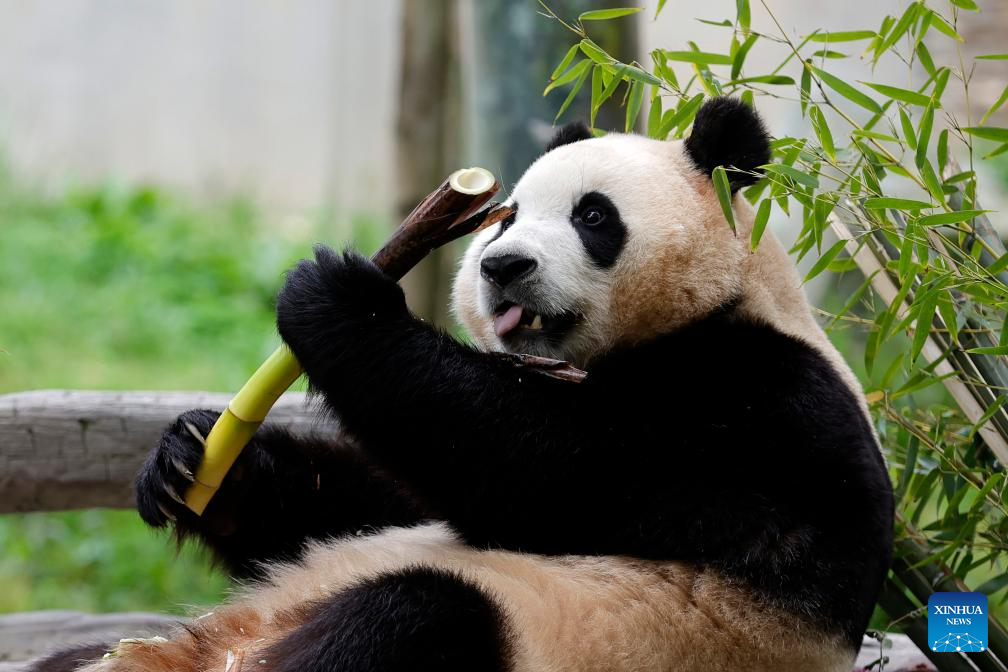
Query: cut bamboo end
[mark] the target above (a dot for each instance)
(472, 181)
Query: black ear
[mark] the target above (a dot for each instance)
(568, 133)
(729, 133)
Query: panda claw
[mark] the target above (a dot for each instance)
(167, 514)
(196, 433)
(182, 469)
(174, 495)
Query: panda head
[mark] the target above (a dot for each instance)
(615, 240)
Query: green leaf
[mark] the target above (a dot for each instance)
(654, 117)
(898, 30)
(922, 329)
(636, 74)
(740, 56)
(747, 98)
(605, 14)
(995, 107)
(828, 53)
(943, 151)
(574, 91)
(567, 60)
(988, 414)
(824, 260)
(596, 93)
(823, 132)
(903, 95)
(994, 350)
(580, 68)
(780, 80)
(743, 14)
(924, 56)
(996, 584)
(993, 57)
(944, 218)
(908, 130)
(932, 182)
(760, 223)
(924, 135)
(661, 6)
(797, 175)
(683, 116)
(997, 152)
(843, 36)
(848, 91)
(595, 52)
(724, 194)
(999, 265)
(806, 85)
(897, 203)
(942, 26)
(861, 133)
(966, 4)
(634, 105)
(701, 57)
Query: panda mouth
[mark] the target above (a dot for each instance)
(514, 320)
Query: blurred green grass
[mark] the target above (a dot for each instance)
(129, 288)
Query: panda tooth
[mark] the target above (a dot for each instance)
(536, 322)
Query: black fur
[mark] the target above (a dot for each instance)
(282, 490)
(726, 444)
(568, 133)
(603, 241)
(416, 620)
(69, 658)
(729, 133)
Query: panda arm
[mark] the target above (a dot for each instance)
(284, 490)
(466, 428)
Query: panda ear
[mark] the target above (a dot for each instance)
(729, 133)
(568, 133)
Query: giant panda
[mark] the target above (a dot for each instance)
(711, 497)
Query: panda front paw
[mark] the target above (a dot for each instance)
(332, 295)
(170, 469)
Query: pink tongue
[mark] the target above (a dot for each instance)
(507, 320)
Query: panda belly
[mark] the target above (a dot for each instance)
(570, 613)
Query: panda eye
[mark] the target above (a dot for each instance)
(593, 216)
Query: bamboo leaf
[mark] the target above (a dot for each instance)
(924, 135)
(634, 106)
(993, 57)
(596, 93)
(595, 52)
(760, 223)
(995, 107)
(574, 91)
(700, 57)
(724, 194)
(945, 218)
(994, 350)
(897, 203)
(902, 95)
(661, 6)
(798, 176)
(898, 30)
(843, 36)
(828, 53)
(908, 130)
(824, 260)
(606, 14)
(779, 80)
(966, 4)
(740, 56)
(682, 117)
(743, 14)
(988, 133)
(567, 60)
(654, 117)
(989, 413)
(848, 91)
(942, 26)
(922, 330)
(822, 131)
(932, 182)
(806, 85)
(580, 68)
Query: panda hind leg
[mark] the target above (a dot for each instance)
(418, 619)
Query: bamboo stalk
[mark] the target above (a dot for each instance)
(449, 212)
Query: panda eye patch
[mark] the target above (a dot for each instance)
(600, 228)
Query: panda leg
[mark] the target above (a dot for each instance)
(415, 619)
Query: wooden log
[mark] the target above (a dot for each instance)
(35, 633)
(64, 449)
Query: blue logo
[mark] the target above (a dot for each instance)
(957, 622)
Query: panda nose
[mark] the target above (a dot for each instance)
(506, 268)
